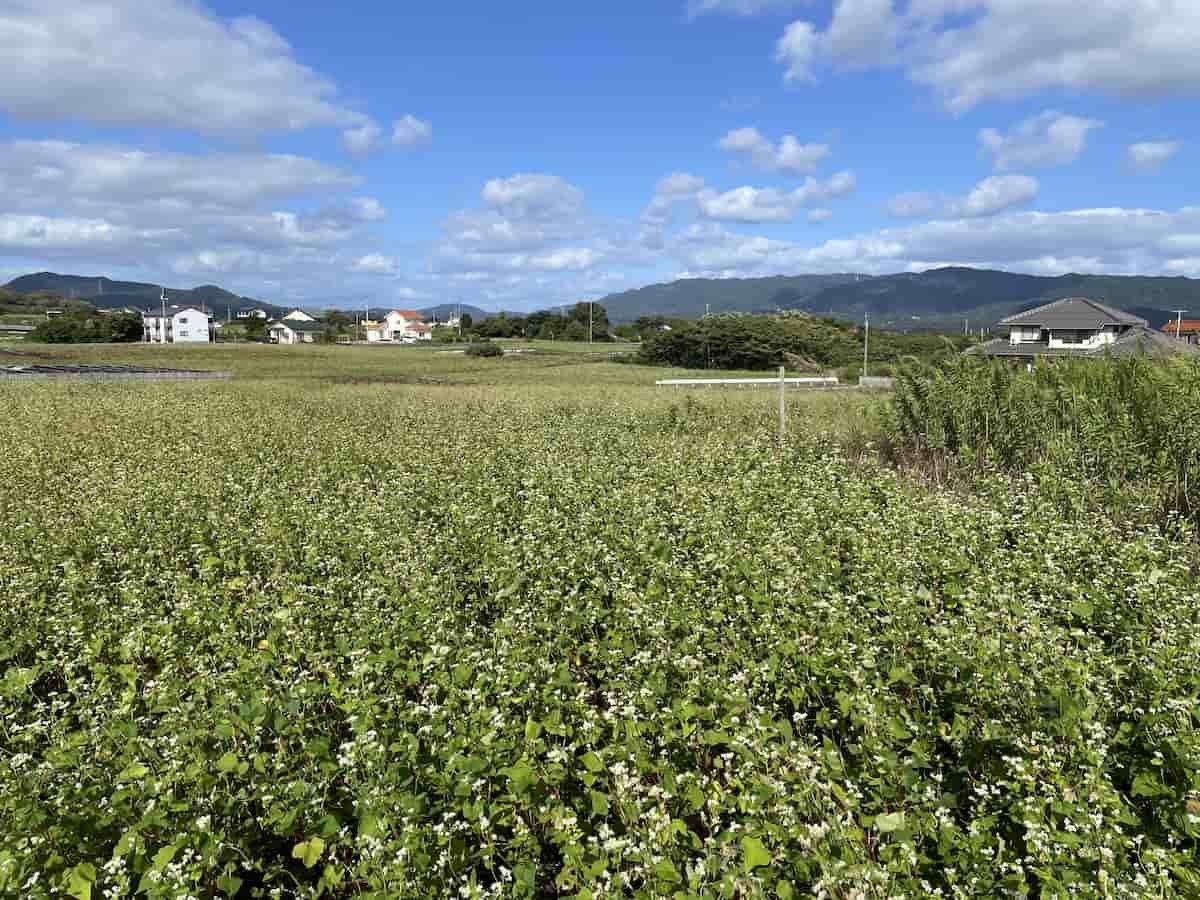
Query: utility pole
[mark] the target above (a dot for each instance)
(162, 322)
(1179, 324)
(589, 321)
(866, 339)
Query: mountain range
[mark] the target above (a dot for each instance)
(945, 298)
(105, 293)
(938, 298)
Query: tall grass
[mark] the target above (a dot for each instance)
(1121, 432)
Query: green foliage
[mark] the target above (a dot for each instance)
(484, 348)
(1122, 434)
(736, 341)
(556, 324)
(289, 636)
(83, 328)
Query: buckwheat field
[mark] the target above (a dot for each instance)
(353, 624)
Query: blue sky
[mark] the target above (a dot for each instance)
(518, 155)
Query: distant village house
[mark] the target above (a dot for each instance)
(294, 331)
(180, 325)
(1076, 327)
(399, 326)
(1187, 330)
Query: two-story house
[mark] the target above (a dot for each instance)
(399, 326)
(177, 325)
(1076, 327)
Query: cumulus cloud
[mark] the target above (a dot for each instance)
(362, 139)
(411, 132)
(534, 197)
(1150, 155)
(695, 8)
(169, 63)
(1049, 139)
(994, 195)
(788, 156)
(668, 194)
(374, 264)
(797, 52)
(973, 51)
(367, 209)
(761, 205)
(1112, 240)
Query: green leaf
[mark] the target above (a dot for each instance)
(308, 852)
(667, 872)
(163, 858)
(228, 762)
(890, 822)
(79, 884)
(229, 885)
(132, 772)
(592, 761)
(1147, 784)
(532, 729)
(599, 804)
(754, 854)
(785, 890)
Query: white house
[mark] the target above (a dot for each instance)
(400, 326)
(251, 312)
(298, 315)
(294, 331)
(181, 325)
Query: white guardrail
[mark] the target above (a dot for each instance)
(748, 382)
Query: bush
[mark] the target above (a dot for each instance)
(485, 349)
(82, 328)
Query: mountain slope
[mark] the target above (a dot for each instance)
(937, 298)
(105, 293)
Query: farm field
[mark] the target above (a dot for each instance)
(387, 622)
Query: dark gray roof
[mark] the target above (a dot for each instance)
(299, 325)
(1073, 312)
(1133, 342)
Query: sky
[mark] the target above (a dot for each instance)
(521, 155)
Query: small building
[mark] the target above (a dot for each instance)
(179, 325)
(293, 331)
(252, 312)
(298, 315)
(1187, 330)
(1076, 327)
(400, 326)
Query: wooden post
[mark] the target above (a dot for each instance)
(782, 405)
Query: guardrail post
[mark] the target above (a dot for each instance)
(782, 405)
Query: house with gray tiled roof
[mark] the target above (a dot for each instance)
(1077, 327)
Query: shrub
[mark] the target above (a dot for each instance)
(485, 349)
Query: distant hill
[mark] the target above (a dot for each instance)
(105, 293)
(688, 298)
(938, 298)
(444, 311)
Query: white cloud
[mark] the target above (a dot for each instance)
(797, 52)
(911, 204)
(367, 209)
(761, 205)
(374, 264)
(668, 193)
(995, 194)
(862, 32)
(411, 132)
(534, 197)
(51, 234)
(1148, 156)
(697, 8)
(747, 204)
(362, 140)
(973, 51)
(679, 184)
(788, 156)
(1049, 139)
(53, 173)
(169, 63)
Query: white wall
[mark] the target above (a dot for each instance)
(191, 326)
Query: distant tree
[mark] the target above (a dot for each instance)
(485, 349)
(256, 328)
(466, 321)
